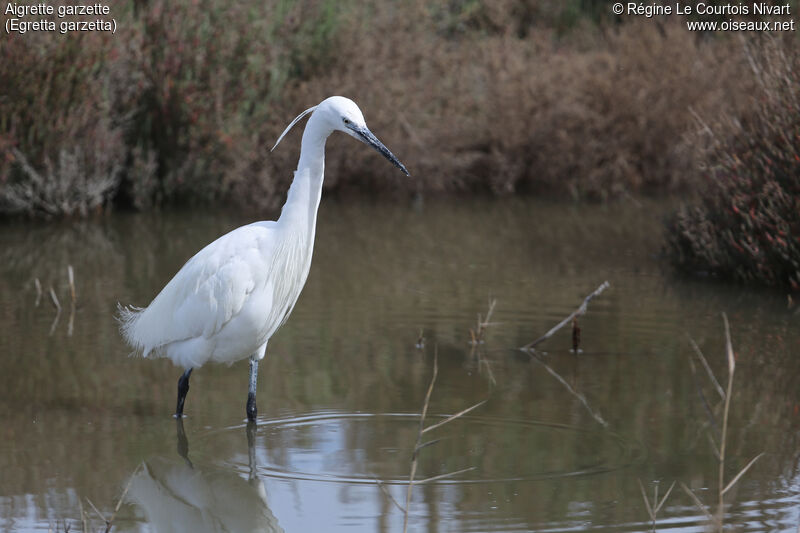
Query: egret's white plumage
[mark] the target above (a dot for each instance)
(231, 297)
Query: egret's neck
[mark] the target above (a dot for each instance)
(312, 149)
(300, 210)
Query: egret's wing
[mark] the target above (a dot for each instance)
(207, 292)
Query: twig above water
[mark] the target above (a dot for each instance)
(578, 312)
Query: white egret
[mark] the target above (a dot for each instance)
(226, 302)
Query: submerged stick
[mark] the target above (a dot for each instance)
(54, 299)
(71, 278)
(420, 345)
(698, 503)
(71, 323)
(83, 516)
(57, 305)
(476, 335)
(389, 494)
(445, 475)
(581, 398)
(578, 312)
(122, 496)
(38, 285)
(652, 510)
(710, 372)
(722, 444)
(576, 335)
(99, 514)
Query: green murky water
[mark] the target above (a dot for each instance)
(560, 444)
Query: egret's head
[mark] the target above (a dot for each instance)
(342, 114)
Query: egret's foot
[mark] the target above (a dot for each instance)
(252, 412)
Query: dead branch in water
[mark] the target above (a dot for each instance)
(710, 372)
(576, 335)
(652, 510)
(581, 398)
(477, 341)
(477, 334)
(578, 312)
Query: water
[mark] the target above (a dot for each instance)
(560, 444)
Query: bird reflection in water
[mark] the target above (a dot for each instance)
(176, 496)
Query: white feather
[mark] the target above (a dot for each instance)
(230, 298)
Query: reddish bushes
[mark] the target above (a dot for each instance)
(747, 223)
(481, 96)
(61, 151)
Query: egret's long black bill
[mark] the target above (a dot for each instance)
(365, 135)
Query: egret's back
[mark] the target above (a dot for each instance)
(225, 302)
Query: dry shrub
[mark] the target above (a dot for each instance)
(490, 111)
(504, 96)
(746, 225)
(210, 76)
(60, 149)
(178, 105)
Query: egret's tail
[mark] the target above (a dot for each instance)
(128, 316)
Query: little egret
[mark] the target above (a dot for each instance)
(226, 302)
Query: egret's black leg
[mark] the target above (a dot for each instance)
(183, 388)
(251, 393)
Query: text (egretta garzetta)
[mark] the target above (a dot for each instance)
(226, 302)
